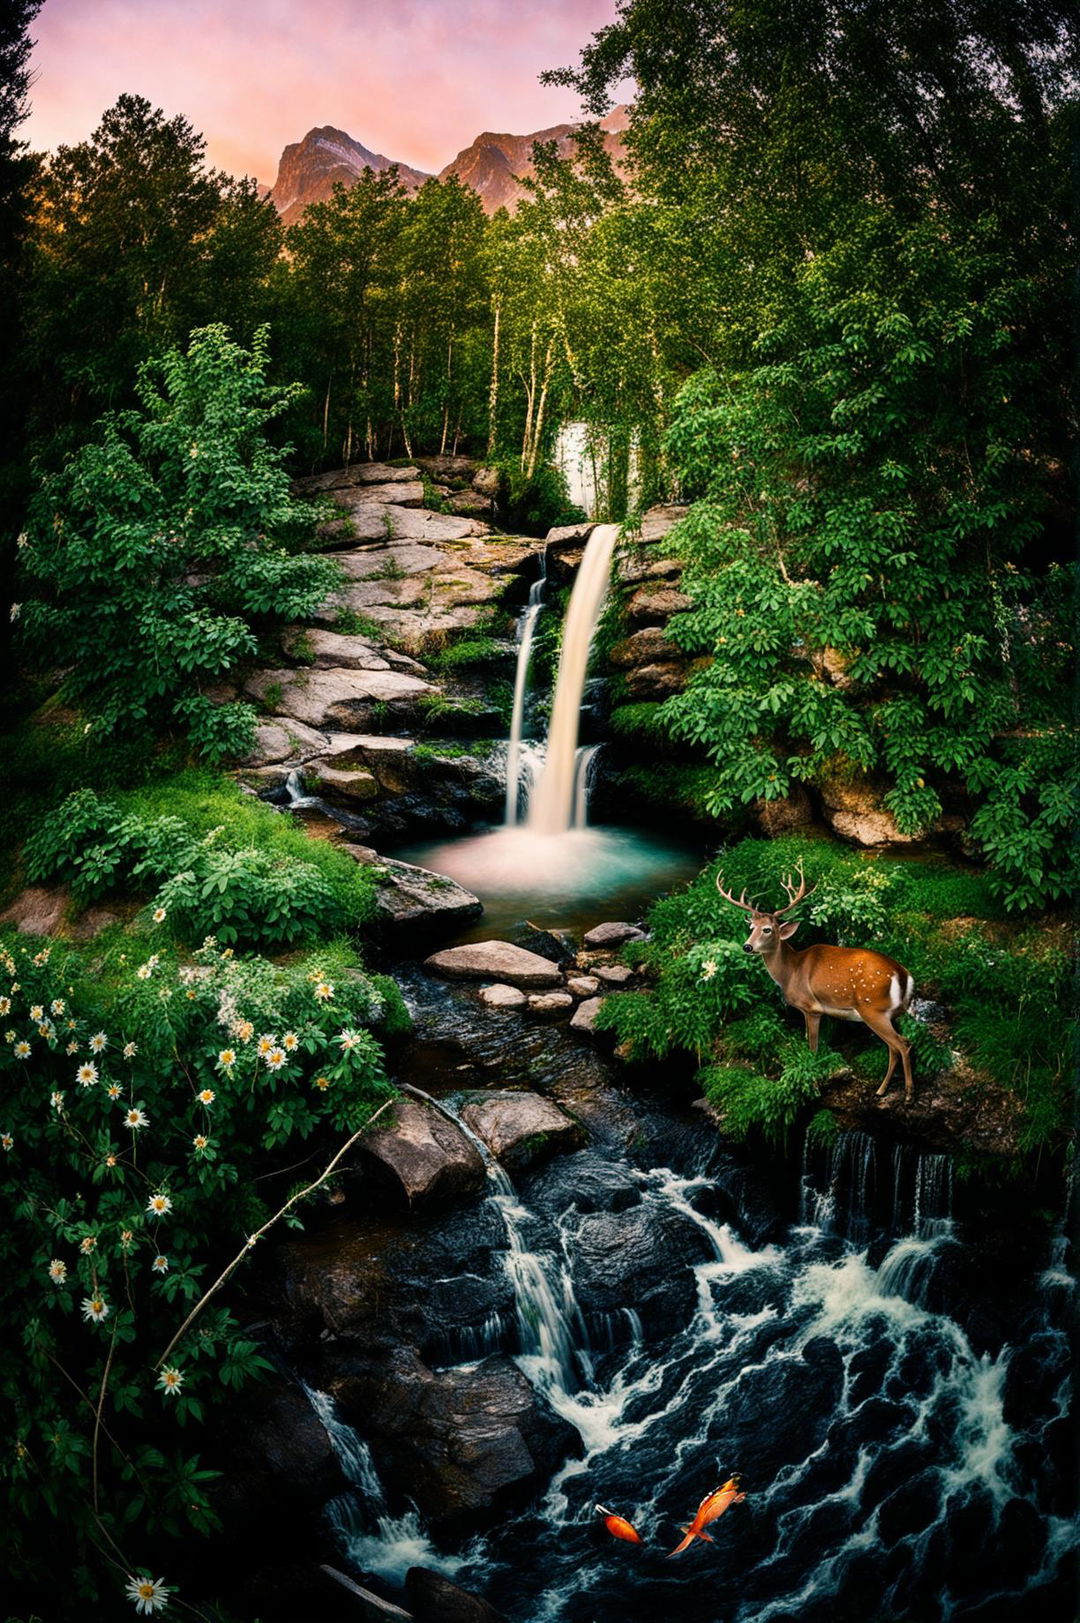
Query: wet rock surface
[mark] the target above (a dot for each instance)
(641, 1258)
(434, 1599)
(494, 960)
(422, 1157)
(519, 1127)
(413, 901)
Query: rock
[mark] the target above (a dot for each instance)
(372, 1608)
(92, 922)
(614, 974)
(488, 481)
(656, 603)
(469, 503)
(583, 985)
(425, 1156)
(467, 1444)
(657, 521)
(585, 1016)
(361, 473)
(280, 738)
(434, 1599)
(402, 493)
(612, 934)
(854, 810)
(572, 534)
(448, 467)
(550, 1002)
(644, 1255)
(633, 565)
(37, 910)
(517, 1127)
(393, 562)
(775, 817)
(556, 945)
(335, 650)
(502, 997)
(282, 1464)
(413, 899)
(649, 684)
(649, 646)
(341, 783)
(418, 524)
(498, 960)
(335, 698)
(390, 759)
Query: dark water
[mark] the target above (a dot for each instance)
(898, 1409)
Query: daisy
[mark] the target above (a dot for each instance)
(290, 1042)
(57, 1101)
(348, 1041)
(57, 1006)
(46, 1029)
(245, 1030)
(94, 1309)
(275, 1059)
(126, 1237)
(227, 1058)
(160, 1265)
(87, 1244)
(110, 1159)
(264, 1045)
(114, 1090)
(130, 1050)
(135, 1119)
(6, 1141)
(324, 990)
(158, 915)
(159, 1205)
(98, 1042)
(37, 1013)
(206, 1096)
(170, 1380)
(22, 1049)
(72, 1048)
(144, 972)
(87, 1074)
(322, 1083)
(57, 1271)
(708, 969)
(5, 1005)
(148, 1594)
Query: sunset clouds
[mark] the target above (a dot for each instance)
(415, 79)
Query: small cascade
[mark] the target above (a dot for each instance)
(299, 799)
(525, 632)
(551, 810)
(857, 1187)
(585, 765)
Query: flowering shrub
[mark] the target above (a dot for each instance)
(137, 1107)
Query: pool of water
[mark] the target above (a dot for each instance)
(567, 881)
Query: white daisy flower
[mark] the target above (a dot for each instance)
(349, 1040)
(227, 1057)
(135, 1119)
(159, 1205)
(206, 1096)
(290, 1042)
(72, 1048)
(57, 1101)
(6, 1141)
(57, 1006)
(148, 1594)
(87, 1074)
(160, 1265)
(130, 1050)
(159, 915)
(114, 1090)
(37, 1012)
(87, 1244)
(264, 1045)
(170, 1380)
(22, 1049)
(275, 1059)
(98, 1043)
(324, 990)
(708, 969)
(57, 1271)
(94, 1309)
(144, 972)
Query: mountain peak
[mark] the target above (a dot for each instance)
(310, 169)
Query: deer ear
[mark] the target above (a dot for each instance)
(788, 929)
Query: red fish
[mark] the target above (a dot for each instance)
(711, 1507)
(618, 1526)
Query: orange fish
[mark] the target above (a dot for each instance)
(711, 1507)
(618, 1526)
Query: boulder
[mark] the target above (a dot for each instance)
(494, 960)
(488, 481)
(392, 562)
(341, 783)
(634, 565)
(502, 997)
(569, 534)
(466, 1445)
(434, 1599)
(282, 1464)
(793, 810)
(469, 503)
(649, 684)
(656, 603)
(335, 650)
(649, 646)
(413, 899)
(333, 699)
(360, 473)
(448, 467)
(644, 1255)
(585, 1016)
(423, 1157)
(583, 985)
(614, 974)
(657, 521)
(389, 758)
(280, 738)
(550, 1002)
(401, 492)
(855, 811)
(418, 524)
(37, 910)
(612, 934)
(517, 1127)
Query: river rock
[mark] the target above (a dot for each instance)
(423, 1157)
(466, 1445)
(502, 997)
(611, 935)
(585, 1016)
(434, 1599)
(282, 739)
(335, 650)
(550, 1002)
(282, 1464)
(518, 1127)
(333, 699)
(494, 960)
(341, 783)
(413, 899)
(613, 974)
(583, 985)
(644, 1255)
(392, 562)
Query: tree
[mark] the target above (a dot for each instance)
(157, 551)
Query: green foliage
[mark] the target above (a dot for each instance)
(534, 502)
(249, 879)
(468, 651)
(162, 545)
(149, 1108)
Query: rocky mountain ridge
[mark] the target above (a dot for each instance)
(491, 165)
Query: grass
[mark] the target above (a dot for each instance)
(348, 623)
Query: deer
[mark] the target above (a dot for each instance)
(852, 983)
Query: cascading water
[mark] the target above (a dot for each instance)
(526, 632)
(551, 808)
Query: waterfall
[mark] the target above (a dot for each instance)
(584, 772)
(552, 806)
(526, 630)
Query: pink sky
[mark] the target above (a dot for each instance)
(414, 79)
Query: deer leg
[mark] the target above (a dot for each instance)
(813, 1023)
(899, 1048)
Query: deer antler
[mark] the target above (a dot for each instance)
(747, 907)
(794, 896)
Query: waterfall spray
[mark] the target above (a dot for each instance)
(526, 631)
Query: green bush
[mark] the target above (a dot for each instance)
(146, 1106)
